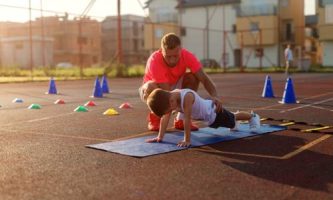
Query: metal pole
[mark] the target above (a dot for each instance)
(261, 49)
(30, 41)
(120, 51)
(279, 32)
(224, 43)
(42, 33)
(80, 40)
(241, 52)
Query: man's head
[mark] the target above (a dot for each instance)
(159, 102)
(171, 48)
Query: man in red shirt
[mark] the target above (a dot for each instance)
(167, 69)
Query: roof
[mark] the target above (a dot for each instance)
(200, 3)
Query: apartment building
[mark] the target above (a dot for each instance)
(325, 29)
(15, 50)
(242, 33)
(312, 48)
(163, 18)
(209, 29)
(75, 41)
(266, 27)
(133, 51)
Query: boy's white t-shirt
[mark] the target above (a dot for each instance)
(202, 109)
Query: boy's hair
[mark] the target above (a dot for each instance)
(158, 101)
(170, 41)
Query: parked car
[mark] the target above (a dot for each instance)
(210, 63)
(64, 65)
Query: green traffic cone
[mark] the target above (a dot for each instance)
(34, 106)
(81, 109)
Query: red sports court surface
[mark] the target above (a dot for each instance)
(43, 154)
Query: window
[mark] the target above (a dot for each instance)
(259, 52)
(254, 26)
(284, 3)
(158, 33)
(234, 28)
(329, 14)
(19, 46)
(183, 31)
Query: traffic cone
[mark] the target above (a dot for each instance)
(289, 94)
(105, 86)
(90, 103)
(52, 87)
(97, 93)
(268, 89)
(111, 111)
(125, 105)
(17, 100)
(81, 109)
(34, 106)
(59, 101)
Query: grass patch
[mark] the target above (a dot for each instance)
(74, 73)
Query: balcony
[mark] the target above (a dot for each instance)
(256, 10)
(323, 3)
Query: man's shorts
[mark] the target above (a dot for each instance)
(224, 118)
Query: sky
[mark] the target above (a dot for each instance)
(16, 10)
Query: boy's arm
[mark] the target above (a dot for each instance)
(188, 103)
(163, 126)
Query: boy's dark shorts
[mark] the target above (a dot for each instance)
(224, 119)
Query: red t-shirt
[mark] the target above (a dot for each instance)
(159, 72)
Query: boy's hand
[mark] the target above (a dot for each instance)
(156, 139)
(184, 144)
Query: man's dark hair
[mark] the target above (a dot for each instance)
(158, 102)
(170, 41)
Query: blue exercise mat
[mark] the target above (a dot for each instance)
(137, 147)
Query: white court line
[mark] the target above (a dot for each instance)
(47, 118)
(308, 105)
(321, 108)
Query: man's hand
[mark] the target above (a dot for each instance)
(218, 104)
(152, 140)
(184, 144)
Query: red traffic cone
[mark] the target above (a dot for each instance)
(125, 105)
(59, 101)
(90, 103)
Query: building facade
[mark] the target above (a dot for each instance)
(163, 18)
(242, 33)
(76, 41)
(133, 51)
(325, 29)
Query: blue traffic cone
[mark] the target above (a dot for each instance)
(52, 87)
(97, 93)
(268, 89)
(105, 86)
(289, 94)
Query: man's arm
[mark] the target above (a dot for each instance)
(210, 87)
(188, 103)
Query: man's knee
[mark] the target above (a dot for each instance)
(190, 81)
(146, 89)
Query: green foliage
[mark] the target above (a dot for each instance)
(15, 74)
